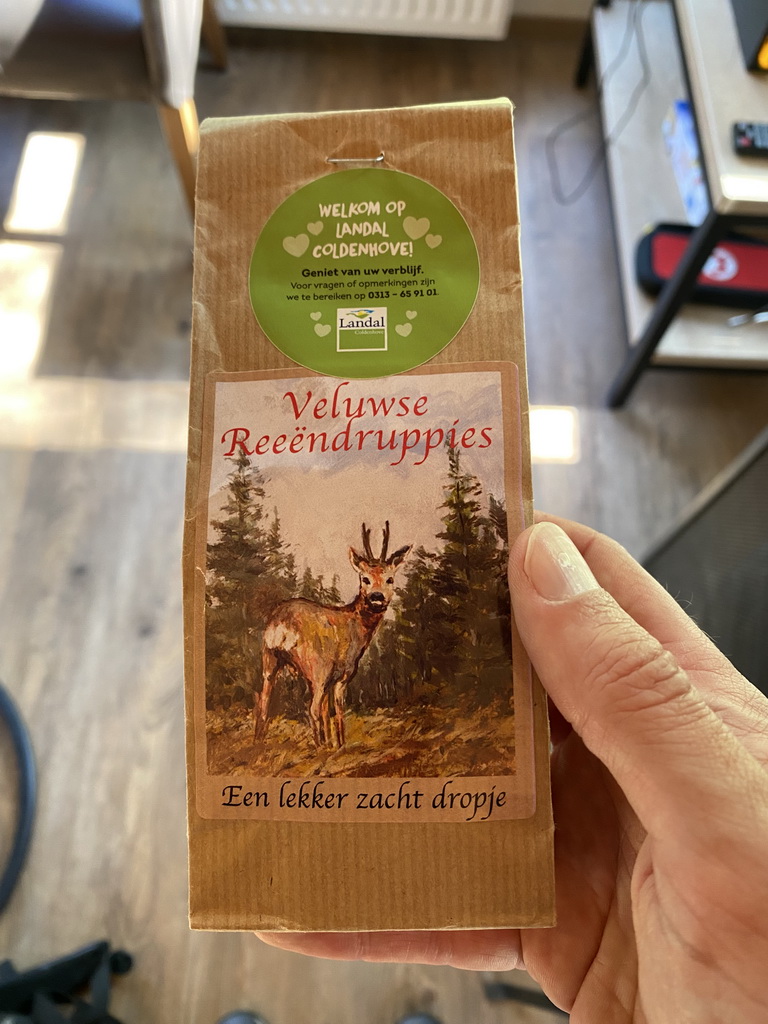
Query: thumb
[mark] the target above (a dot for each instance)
(626, 696)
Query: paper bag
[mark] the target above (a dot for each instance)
(367, 747)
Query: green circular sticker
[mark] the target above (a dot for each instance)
(364, 273)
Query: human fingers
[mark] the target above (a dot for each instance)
(733, 698)
(643, 597)
(484, 950)
(627, 695)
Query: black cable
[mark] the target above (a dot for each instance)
(632, 29)
(27, 795)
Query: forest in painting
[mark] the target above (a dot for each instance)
(432, 695)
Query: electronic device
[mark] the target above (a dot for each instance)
(750, 138)
(752, 25)
(736, 274)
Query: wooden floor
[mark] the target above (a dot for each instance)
(92, 467)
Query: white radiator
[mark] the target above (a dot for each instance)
(466, 19)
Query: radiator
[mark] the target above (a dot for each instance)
(466, 19)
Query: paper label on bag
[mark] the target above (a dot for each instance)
(364, 273)
(356, 659)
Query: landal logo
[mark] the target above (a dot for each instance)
(361, 329)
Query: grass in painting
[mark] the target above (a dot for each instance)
(414, 741)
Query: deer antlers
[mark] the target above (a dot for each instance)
(367, 544)
(385, 543)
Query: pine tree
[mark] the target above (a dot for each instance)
(427, 635)
(241, 551)
(236, 560)
(497, 514)
(454, 609)
(469, 562)
(382, 675)
(334, 597)
(462, 570)
(279, 581)
(308, 587)
(249, 570)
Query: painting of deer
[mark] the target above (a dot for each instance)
(323, 644)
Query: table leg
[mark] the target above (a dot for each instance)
(586, 58)
(673, 295)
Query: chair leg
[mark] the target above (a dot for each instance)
(213, 35)
(181, 132)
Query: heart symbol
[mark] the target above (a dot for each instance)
(411, 313)
(433, 241)
(404, 329)
(322, 329)
(315, 228)
(415, 228)
(315, 316)
(296, 246)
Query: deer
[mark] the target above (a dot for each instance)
(324, 643)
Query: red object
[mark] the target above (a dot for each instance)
(736, 273)
(739, 265)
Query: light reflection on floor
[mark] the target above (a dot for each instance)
(88, 413)
(554, 434)
(63, 413)
(27, 275)
(45, 183)
(72, 413)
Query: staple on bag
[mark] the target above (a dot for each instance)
(355, 159)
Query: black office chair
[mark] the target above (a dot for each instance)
(73, 989)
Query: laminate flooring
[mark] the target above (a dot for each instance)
(92, 468)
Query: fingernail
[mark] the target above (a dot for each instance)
(554, 564)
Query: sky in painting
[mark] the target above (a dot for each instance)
(324, 497)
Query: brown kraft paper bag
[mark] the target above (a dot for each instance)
(367, 746)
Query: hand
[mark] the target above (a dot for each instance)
(660, 795)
